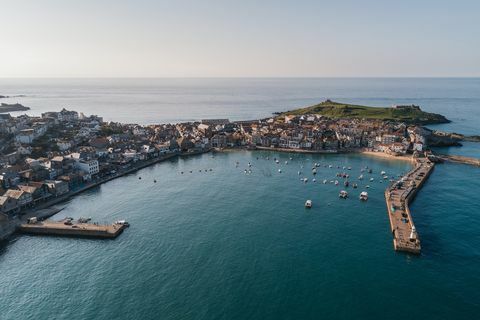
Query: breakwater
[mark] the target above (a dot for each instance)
(459, 159)
(69, 229)
(398, 196)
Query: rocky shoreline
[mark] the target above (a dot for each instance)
(5, 107)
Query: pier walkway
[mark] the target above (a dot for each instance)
(398, 197)
(73, 229)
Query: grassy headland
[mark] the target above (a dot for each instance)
(335, 110)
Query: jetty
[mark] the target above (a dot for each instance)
(70, 228)
(398, 196)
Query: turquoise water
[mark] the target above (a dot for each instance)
(225, 245)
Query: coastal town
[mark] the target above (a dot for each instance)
(44, 160)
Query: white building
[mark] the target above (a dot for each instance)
(88, 166)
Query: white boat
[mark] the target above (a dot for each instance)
(314, 171)
(360, 177)
(343, 194)
(336, 182)
(279, 170)
(385, 177)
(314, 180)
(305, 180)
(276, 161)
(330, 166)
(325, 181)
(308, 204)
(364, 196)
(122, 223)
(383, 173)
(367, 186)
(299, 173)
(286, 162)
(371, 179)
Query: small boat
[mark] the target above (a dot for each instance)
(370, 171)
(279, 170)
(286, 162)
(314, 171)
(360, 177)
(346, 183)
(343, 194)
(249, 164)
(336, 182)
(371, 179)
(383, 173)
(308, 204)
(154, 181)
(314, 180)
(325, 181)
(330, 166)
(277, 162)
(385, 177)
(349, 168)
(305, 180)
(364, 196)
(299, 173)
(122, 223)
(140, 178)
(367, 186)
(291, 158)
(245, 171)
(354, 186)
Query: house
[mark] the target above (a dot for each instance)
(23, 198)
(8, 205)
(57, 187)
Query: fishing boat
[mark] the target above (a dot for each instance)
(308, 204)
(364, 196)
(343, 194)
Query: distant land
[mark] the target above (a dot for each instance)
(5, 107)
(411, 114)
(15, 96)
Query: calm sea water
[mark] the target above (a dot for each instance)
(174, 100)
(225, 245)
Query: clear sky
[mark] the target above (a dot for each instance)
(260, 38)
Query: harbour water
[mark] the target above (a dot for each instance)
(223, 244)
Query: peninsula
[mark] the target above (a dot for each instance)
(5, 107)
(411, 114)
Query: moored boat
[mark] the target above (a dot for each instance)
(308, 204)
(364, 196)
(343, 194)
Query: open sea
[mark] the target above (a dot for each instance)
(223, 244)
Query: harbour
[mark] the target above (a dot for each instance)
(398, 197)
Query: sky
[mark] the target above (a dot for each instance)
(223, 38)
